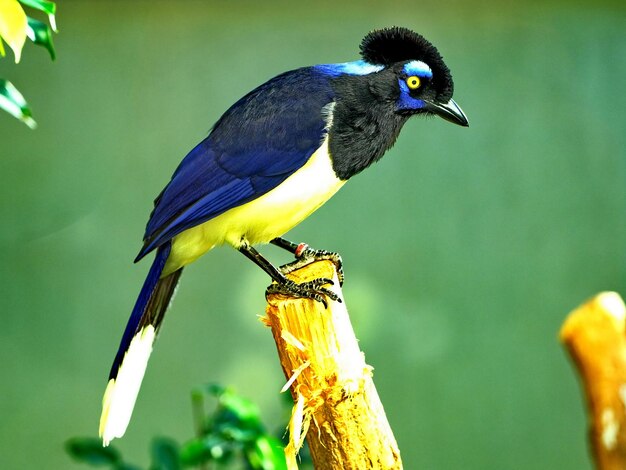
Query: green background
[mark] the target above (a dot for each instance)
(464, 249)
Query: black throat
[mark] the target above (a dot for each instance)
(364, 123)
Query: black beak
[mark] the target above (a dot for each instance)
(449, 111)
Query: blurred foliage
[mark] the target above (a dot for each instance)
(41, 34)
(15, 27)
(12, 101)
(233, 431)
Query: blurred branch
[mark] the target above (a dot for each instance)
(595, 337)
(336, 404)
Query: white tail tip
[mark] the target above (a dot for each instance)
(121, 392)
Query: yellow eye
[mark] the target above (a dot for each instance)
(413, 82)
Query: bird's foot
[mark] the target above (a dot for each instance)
(308, 290)
(306, 255)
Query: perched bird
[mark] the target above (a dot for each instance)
(272, 159)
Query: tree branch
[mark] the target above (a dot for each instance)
(336, 404)
(595, 337)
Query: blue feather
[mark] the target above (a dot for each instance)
(258, 143)
(357, 67)
(139, 309)
(419, 68)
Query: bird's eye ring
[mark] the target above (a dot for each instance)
(413, 82)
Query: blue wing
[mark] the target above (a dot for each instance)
(259, 142)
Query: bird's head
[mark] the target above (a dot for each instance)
(400, 75)
(401, 70)
(410, 72)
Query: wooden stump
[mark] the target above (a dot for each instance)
(336, 403)
(595, 336)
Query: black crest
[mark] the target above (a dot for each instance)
(388, 46)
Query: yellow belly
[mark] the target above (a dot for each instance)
(264, 218)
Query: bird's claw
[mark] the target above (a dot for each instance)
(305, 255)
(308, 290)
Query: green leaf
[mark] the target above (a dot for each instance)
(244, 410)
(194, 452)
(42, 5)
(126, 466)
(46, 6)
(214, 389)
(201, 450)
(267, 453)
(41, 34)
(90, 450)
(12, 101)
(236, 418)
(165, 454)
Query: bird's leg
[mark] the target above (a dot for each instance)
(310, 290)
(306, 255)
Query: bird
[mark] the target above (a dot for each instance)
(272, 159)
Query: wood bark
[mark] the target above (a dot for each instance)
(335, 401)
(595, 337)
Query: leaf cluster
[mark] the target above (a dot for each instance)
(15, 27)
(233, 431)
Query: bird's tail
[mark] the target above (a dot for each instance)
(132, 356)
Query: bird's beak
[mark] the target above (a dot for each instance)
(449, 111)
